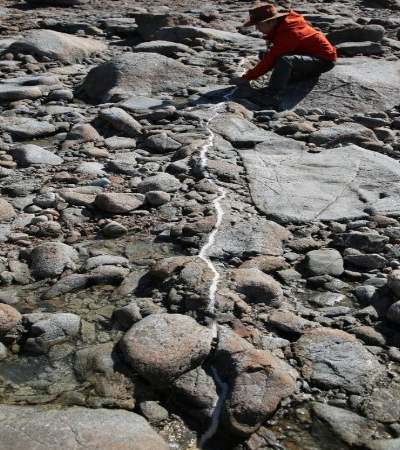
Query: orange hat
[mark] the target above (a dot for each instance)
(262, 13)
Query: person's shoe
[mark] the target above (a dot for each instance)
(270, 101)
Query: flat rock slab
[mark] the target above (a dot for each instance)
(338, 184)
(26, 128)
(335, 359)
(238, 131)
(180, 33)
(248, 238)
(75, 429)
(140, 74)
(355, 84)
(58, 46)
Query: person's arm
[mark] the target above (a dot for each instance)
(285, 45)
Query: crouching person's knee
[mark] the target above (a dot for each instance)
(283, 61)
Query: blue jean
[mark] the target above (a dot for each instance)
(294, 67)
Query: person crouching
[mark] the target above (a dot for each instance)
(298, 51)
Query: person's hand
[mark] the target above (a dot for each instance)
(239, 81)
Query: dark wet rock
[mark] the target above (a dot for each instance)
(324, 262)
(50, 330)
(257, 286)
(370, 261)
(57, 46)
(6, 210)
(339, 426)
(373, 33)
(33, 154)
(26, 128)
(76, 428)
(159, 182)
(333, 174)
(162, 347)
(335, 359)
(394, 313)
(122, 121)
(347, 133)
(9, 318)
(67, 284)
(117, 203)
(138, 74)
(367, 242)
(50, 259)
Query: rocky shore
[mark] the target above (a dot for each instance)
(181, 268)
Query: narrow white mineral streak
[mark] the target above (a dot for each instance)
(223, 387)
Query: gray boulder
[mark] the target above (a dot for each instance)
(122, 121)
(117, 203)
(75, 429)
(335, 359)
(26, 128)
(57, 46)
(51, 330)
(33, 154)
(341, 426)
(52, 258)
(372, 33)
(344, 134)
(162, 347)
(165, 48)
(345, 183)
(257, 286)
(159, 182)
(359, 48)
(140, 74)
(6, 210)
(324, 262)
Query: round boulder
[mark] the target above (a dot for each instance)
(159, 182)
(162, 347)
(51, 259)
(117, 203)
(393, 282)
(9, 318)
(325, 261)
(257, 286)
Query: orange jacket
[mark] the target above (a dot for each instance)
(292, 36)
